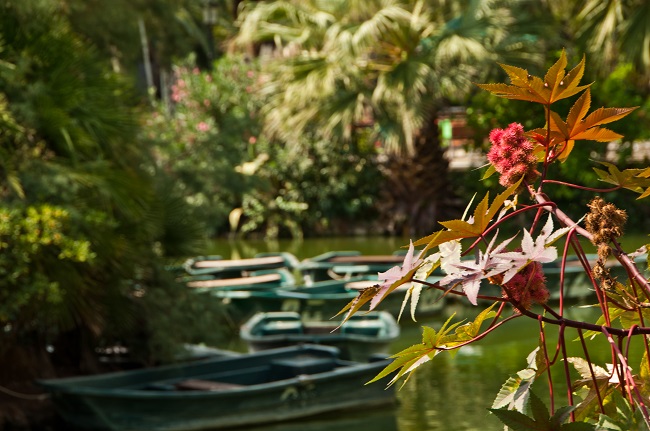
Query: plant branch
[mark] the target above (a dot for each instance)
(576, 186)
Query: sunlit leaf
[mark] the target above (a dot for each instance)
(515, 93)
(628, 178)
(569, 84)
(458, 229)
(555, 75)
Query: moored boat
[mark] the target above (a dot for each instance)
(266, 279)
(232, 268)
(320, 300)
(342, 264)
(258, 388)
(357, 338)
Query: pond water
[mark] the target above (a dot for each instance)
(447, 393)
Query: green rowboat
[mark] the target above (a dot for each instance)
(258, 388)
(358, 338)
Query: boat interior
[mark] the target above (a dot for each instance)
(278, 369)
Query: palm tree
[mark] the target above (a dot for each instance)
(381, 69)
(615, 30)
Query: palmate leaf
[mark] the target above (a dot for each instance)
(515, 392)
(628, 178)
(409, 359)
(556, 85)
(367, 294)
(645, 174)
(470, 330)
(458, 229)
(579, 126)
(541, 420)
(590, 405)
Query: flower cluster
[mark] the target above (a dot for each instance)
(512, 155)
(528, 286)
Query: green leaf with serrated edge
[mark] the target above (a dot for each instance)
(399, 359)
(578, 426)
(561, 415)
(506, 392)
(645, 194)
(471, 330)
(589, 407)
(515, 420)
(645, 173)
(514, 393)
(409, 359)
(627, 178)
(539, 410)
(582, 367)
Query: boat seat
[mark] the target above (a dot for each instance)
(292, 367)
(204, 385)
(282, 327)
(362, 327)
(240, 281)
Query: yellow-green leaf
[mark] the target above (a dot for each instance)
(555, 75)
(569, 85)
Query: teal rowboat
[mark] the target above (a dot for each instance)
(358, 338)
(266, 279)
(318, 301)
(258, 388)
(231, 268)
(342, 264)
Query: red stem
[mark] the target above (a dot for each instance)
(576, 186)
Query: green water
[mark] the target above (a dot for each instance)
(447, 393)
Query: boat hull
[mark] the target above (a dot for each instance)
(308, 389)
(357, 339)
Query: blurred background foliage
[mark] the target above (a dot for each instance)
(132, 131)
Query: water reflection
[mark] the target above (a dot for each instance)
(370, 420)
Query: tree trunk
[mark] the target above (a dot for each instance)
(416, 187)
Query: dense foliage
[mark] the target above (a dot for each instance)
(210, 141)
(84, 225)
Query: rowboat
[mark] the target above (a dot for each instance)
(318, 301)
(259, 388)
(357, 338)
(346, 264)
(266, 279)
(231, 268)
